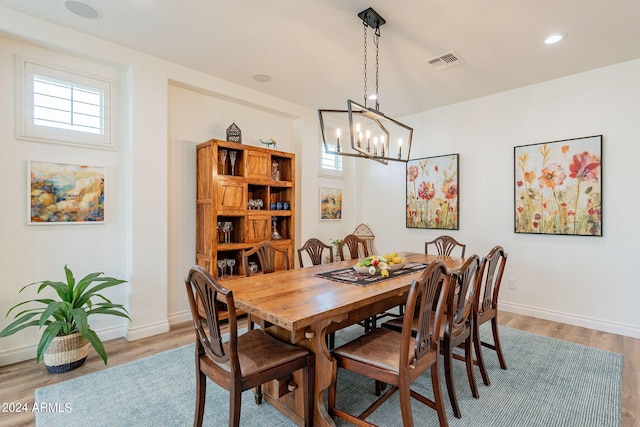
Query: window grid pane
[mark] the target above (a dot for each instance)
(331, 161)
(65, 105)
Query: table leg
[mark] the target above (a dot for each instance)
(325, 369)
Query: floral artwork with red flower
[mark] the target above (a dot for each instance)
(558, 187)
(432, 192)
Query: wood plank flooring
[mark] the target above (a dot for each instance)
(19, 381)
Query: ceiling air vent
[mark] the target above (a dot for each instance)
(445, 60)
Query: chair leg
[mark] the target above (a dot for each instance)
(496, 341)
(438, 400)
(468, 356)
(448, 376)
(478, 350)
(405, 403)
(235, 396)
(257, 395)
(331, 340)
(201, 394)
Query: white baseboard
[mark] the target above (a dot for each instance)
(572, 319)
(181, 317)
(149, 330)
(27, 352)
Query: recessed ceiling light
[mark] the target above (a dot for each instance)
(82, 9)
(262, 78)
(554, 38)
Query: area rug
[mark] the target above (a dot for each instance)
(548, 382)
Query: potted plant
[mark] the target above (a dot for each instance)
(336, 244)
(65, 340)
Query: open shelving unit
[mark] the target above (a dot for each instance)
(223, 195)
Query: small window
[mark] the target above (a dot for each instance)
(331, 162)
(61, 106)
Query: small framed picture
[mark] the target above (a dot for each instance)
(61, 193)
(330, 203)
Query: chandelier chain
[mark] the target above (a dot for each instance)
(376, 41)
(365, 63)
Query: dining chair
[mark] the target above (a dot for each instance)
(445, 245)
(243, 361)
(266, 254)
(314, 248)
(266, 257)
(457, 327)
(485, 307)
(398, 358)
(355, 245)
(364, 232)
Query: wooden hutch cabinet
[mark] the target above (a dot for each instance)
(237, 206)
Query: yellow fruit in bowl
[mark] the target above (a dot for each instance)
(397, 260)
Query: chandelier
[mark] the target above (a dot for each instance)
(371, 134)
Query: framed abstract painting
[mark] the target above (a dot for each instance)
(558, 187)
(432, 193)
(330, 203)
(61, 193)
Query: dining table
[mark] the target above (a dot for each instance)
(303, 305)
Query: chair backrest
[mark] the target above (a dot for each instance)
(461, 296)
(364, 232)
(314, 247)
(266, 256)
(201, 286)
(428, 291)
(490, 278)
(445, 245)
(355, 245)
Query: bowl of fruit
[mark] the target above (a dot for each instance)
(380, 264)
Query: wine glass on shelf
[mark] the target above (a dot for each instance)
(227, 228)
(231, 262)
(221, 265)
(223, 160)
(232, 159)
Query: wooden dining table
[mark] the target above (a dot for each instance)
(302, 308)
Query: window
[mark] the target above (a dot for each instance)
(331, 162)
(60, 106)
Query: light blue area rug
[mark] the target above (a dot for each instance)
(549, 383)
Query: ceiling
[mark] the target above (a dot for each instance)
(313, 49)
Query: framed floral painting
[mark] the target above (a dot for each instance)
(61, 193)
(558, 187)
(432, 192)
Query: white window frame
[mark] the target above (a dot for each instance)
(338, 170)
(27, 129)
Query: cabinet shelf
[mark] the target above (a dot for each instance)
(224, 194)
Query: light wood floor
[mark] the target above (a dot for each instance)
(19, 381)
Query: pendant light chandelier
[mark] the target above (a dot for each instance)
(371, 134)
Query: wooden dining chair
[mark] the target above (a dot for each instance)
(485, 307)
(398, 358)
(266, 257)
(457, 329)
(314, 248)
(243, 361)
(355, 245)
(445, 245)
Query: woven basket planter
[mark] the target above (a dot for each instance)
(66, 353)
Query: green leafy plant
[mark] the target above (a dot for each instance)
(68, 314)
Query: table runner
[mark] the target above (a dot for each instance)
(349, 275)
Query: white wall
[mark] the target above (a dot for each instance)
(166, 109)
(588, 281)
